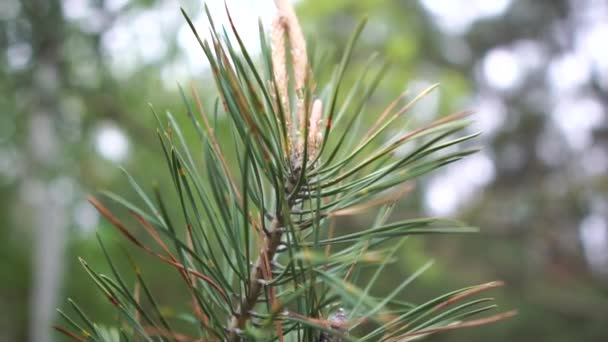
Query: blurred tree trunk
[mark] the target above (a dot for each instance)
(44, 165)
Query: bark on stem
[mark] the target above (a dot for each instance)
(269, 249)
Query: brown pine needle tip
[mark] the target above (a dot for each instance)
(456, 325)
(215, 144)
(69, 334)
(114, 220)
(445, 120)
(168, 260)
(383, 116)
(386, 199)
(470, 292)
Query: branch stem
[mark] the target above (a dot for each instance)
(268, 251)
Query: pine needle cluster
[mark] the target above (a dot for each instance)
(260, 251)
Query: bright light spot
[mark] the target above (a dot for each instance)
(502, 69)
(576, 118)
(85, 216)
(18, 56)
(148, 36)
(477, 170)
(458, 184)
(140, 37)
(592, 42)
(118, 43)
(594, 237)
(76, 9)
(441, 196)
(114, 5)
(490, 114)
(450, 16)
(568, 72)
(456, 16)
(426, 108)
(490, 8)
(590, 39)
(111, 143)
(85, 14)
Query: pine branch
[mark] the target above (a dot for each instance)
(301, 165)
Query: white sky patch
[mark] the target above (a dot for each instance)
(142, 36)
(591, 40)
(590, 37)
(85, 14)
(77, 9)
(502, 69)
(118, 44)
(456, 16)
(245, 15)
(457, 185)
(111, 143)
(489, 8)
(147, 30)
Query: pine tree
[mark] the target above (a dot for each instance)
(260, 251)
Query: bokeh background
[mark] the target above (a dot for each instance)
(76, 77)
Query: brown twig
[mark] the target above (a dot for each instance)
(267, 252)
